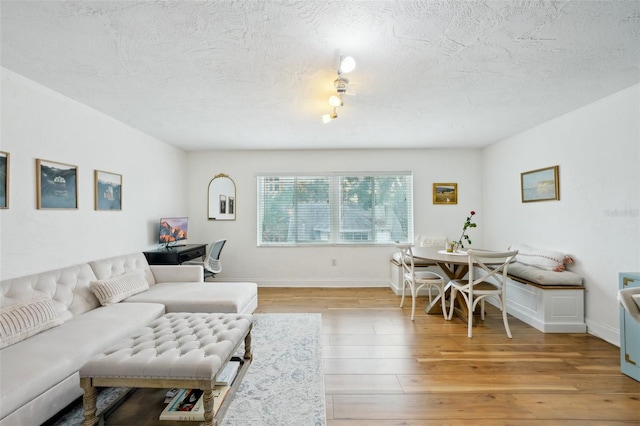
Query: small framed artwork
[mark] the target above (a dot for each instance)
(4, 180)
(223, 204)
(57, 185)
(108, 190)
(540, 185)
(445, 193)
(232, 205)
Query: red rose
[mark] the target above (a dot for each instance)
(472, 212)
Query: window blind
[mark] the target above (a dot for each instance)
(335, 208)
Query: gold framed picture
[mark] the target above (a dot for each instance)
(445, 193)
(57, 185)
(108, 190)
(540, 185)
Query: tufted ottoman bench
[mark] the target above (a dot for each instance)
(178, 350)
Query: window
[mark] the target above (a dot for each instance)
(335, 208)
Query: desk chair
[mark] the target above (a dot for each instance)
(492, 282)
(417, 280)
(211, 264)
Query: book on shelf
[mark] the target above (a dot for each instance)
(228, 373)
(187, 405)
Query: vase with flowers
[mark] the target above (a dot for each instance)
(457, 245)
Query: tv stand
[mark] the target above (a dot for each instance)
(175, 255)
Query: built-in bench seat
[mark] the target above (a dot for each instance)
(552, 302)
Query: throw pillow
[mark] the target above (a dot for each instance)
(26, 319)
(119, 288)
(544, 259)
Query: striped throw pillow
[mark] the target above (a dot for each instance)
(26, 319)
(119, 288)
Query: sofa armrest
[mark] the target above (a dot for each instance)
(177, 273)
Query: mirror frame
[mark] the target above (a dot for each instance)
(221, 198)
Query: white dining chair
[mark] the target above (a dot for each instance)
(487, 278)
(416, 280)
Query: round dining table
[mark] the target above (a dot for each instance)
(455, 265)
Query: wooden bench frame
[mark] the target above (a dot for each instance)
(211, 418)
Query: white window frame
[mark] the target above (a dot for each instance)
(335, 205)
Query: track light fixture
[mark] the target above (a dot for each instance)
(345, 65)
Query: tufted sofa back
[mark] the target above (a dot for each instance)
(118, 265)
(67, 287)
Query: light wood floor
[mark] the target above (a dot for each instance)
(382, 369)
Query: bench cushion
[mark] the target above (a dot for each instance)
(396, 258)
(544, 277)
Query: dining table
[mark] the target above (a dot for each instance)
(455, 266)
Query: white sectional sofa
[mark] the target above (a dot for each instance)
(39, 369)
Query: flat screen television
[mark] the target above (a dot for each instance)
(172, 230)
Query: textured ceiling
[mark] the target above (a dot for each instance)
(207, 75)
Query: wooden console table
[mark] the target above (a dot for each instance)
(175, 255)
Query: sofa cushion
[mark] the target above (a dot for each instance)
(118, 265)
(543, 277)
(205, 297)
(50, 357)
(540, 258)
(68, 288)
(115, 289)
(26, 319)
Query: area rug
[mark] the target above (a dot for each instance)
(284, 385)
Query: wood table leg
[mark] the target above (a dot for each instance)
(208, 407)
(453, 272)
(248, 354)
(89, 400)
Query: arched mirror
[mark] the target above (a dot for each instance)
(222, 198)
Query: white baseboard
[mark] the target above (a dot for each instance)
(330, 283)
(604, 332)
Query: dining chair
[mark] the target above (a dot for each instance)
(416, 280)
(487, 278)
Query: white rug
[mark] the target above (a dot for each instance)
(284, 385)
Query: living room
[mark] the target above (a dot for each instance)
(594, 144)
(596, 220)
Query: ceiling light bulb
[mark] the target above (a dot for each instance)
(335, 101)
(328, 117)
(347, 64)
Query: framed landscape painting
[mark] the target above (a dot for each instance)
(540, 185)
(108, 190)
(445, 193)
(57, 185)
(4, 180)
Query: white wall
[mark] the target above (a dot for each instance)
(597, 218)
(311, 266)
(40, 123)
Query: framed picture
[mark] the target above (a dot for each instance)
(540, 185)
(4, 180)
(445, 193)
(108, 190)
(223, 204)
(57, 185)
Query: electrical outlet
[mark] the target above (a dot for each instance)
(334, 262)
